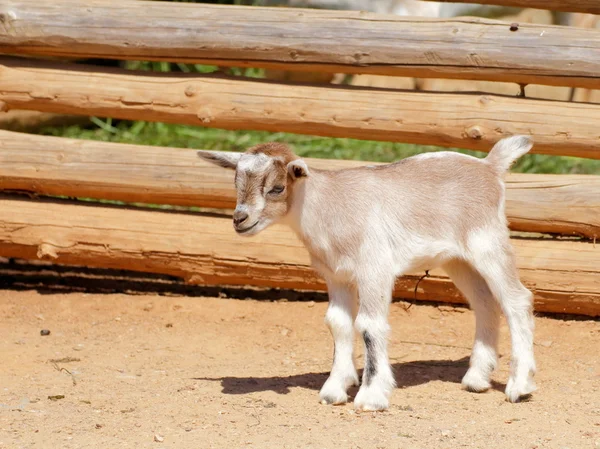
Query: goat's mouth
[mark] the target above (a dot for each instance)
(245, 230)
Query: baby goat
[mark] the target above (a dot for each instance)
(365, 226)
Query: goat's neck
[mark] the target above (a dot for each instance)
(308, 208)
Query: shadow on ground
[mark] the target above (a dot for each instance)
(408, 374)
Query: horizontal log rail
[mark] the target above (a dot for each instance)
(309, 40)
(563, 275)
(562, 204)
(472, 121)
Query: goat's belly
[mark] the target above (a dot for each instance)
(422, 264)
(427, 259)
(342, 270)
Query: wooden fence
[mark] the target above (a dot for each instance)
(564, 273)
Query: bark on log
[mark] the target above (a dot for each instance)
(564, 275)
(470, 121)
(309, 40)
(561, 204)
(584, 6)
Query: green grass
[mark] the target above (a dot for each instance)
(181, 136)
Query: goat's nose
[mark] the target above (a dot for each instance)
(239, 217)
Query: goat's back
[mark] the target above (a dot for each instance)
(433, 194)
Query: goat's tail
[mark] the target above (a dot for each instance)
(507, 151)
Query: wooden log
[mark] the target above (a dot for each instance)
(561, 204)
(555, 204)
(455, 120)
(584, 6)
(564, 276)
(308, 40)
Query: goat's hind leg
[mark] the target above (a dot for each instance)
(339, 319)
(487, 313)
(499, 270)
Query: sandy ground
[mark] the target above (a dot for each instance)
(223, 373)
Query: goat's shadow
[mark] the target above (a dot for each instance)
(408, 374)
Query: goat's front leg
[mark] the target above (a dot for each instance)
(339, 318)
(372, 323)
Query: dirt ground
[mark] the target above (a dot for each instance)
(180, 372)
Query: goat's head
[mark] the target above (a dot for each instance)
(265, 176)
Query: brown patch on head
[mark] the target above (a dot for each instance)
(274, 150)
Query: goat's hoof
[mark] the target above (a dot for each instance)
(520, 389)
(333, 400)
(333, 393)
(371, 399)
(475, 382)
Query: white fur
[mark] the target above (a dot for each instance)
(256, 163)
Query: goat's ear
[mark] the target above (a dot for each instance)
(297, 169)
(221, 158)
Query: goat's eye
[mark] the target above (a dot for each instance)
(276, 190)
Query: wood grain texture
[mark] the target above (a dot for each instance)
(564, 276)
(584, 6)
(471, 121)
(562, 204)
(308, 40)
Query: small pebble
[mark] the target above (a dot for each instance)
(44, 332)
(311, 304)
(99, 426)
(159, 438)
(169, 325)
